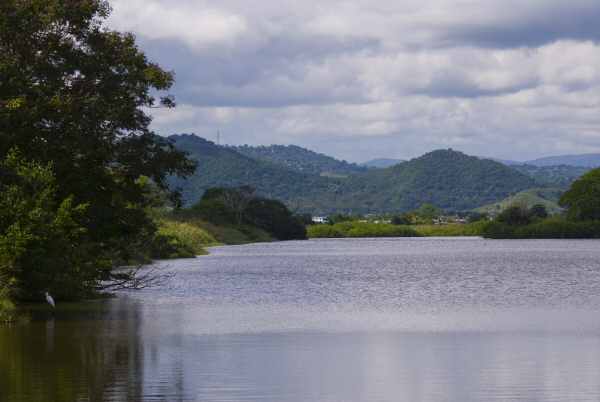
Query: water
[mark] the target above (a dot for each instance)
(461, 319)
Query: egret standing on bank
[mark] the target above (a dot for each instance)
(50, 300)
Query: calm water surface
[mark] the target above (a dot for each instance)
(429, 319)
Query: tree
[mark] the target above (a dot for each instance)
(274, 217)
(582, 200)
(72, 95)
(515, 215)
(42, 241)
(538, 211)
(404, 219)
(237, 200)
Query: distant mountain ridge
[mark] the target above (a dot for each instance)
(300, 159)
(382, 163)
(583, 160)
(220, 166)
(445, 178)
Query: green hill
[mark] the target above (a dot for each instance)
(301, 160)
(560, 176)
(220, 166)
(445, 178)
(547, 197)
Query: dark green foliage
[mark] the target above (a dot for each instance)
(360, 229)
(477, 217)
(427, 212)
(300, 159)
(338, 218)
(560, 176)
(44, 245)
(447, 179)
(239, 206)
(582, 200)
(72, 94)
(404, 219)
(538, 211)
(223, 167)
(165, 246)
(514, 216)
(274, 217)
(552, 228)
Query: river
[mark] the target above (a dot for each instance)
(428, 319)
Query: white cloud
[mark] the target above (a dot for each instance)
(503, 78)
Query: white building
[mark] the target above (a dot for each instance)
(320, 219)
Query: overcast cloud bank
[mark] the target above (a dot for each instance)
(509, 79)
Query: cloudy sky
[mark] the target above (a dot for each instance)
(360, 79)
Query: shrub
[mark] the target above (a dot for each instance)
(583, 198)
(320, 231)
(361, 229)
(179, 240)
(551, 228)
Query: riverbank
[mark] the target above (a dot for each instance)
(181, 238)
(368, 229)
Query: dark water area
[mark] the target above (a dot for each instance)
(455, 319)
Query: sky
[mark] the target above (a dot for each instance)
(363, 79)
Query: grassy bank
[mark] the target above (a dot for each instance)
(186, 238)
(367, 229)
(360, 229)
(451, 229)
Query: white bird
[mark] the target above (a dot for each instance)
(50, 300)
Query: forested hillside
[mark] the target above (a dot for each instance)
(445, 178)
(560, 176)
(300, 159)
(220, 166)
(381, 163)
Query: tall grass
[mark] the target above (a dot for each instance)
(360, 229)
(451, 229)
(180, 240)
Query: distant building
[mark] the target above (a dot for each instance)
(320, 219)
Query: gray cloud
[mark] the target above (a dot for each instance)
(528, 23)
(512, 79)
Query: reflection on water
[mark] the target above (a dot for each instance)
(357, 320)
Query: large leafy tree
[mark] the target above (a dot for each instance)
(582, 200)
(75, 94)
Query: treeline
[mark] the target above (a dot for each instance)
(243, 209)
(80, 169)
(581, 219)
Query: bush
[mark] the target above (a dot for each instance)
(179, 240)
(582, 200)
(274, 217)
(239, 208)
(360, 229)
(551, 228)
(515, 215)
(452, 229)
(324, 231)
